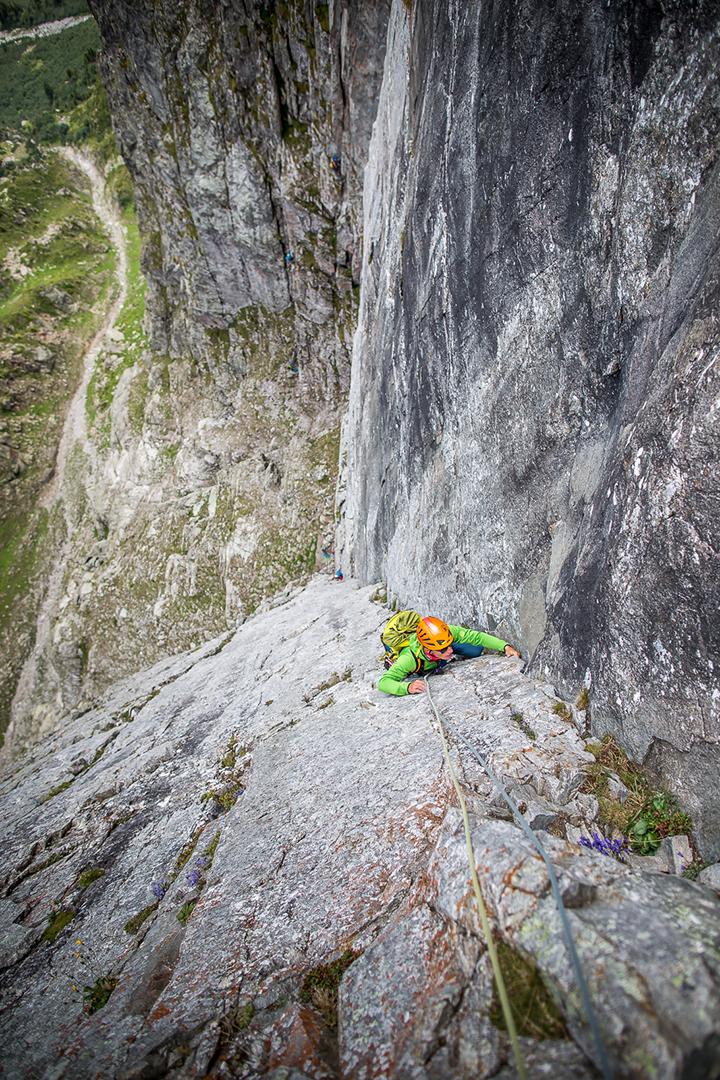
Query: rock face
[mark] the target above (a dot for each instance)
(532, 434)
(229, 122)
(227, 821)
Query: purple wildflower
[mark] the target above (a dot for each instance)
(160, 888)
(193, 878)
(614, 848)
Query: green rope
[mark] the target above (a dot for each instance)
(500, 982)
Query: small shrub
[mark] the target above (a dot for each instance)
(97, 995)
(525, 727)
(320, 985)
(583, 700)
(186, 911)
(561, 709)
(535, 1013)
(133, 925)
(89, 876)
(647, 816)
(57, 921)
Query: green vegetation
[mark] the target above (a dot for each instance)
(27, 13)
(225, 796)
(692, 872)
(228, 787)
(133, 925)
(561, 709)
(44, 79)
(186, 852)
(56, 790)
(97, 995)
(534, 1011)
(236, 1020)
(320, 985)
(89, 876)
(186, 911)
(334, 679)
(647, 816)
(57, 921)
(523, 725)
(44, 865)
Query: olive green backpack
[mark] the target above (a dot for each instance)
(397, 633)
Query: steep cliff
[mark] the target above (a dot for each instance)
(207, 478)
(532, 440)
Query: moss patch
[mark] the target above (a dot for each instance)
(89, 876)
(57, 921)
(320, 985)
(133, 925)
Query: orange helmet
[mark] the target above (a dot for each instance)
(434, 634)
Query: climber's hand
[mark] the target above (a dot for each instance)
(417, 687)
(509, 651)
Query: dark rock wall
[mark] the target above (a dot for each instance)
(532, 439)
(228, 117)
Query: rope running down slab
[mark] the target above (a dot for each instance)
(499, 981)
(567, 932)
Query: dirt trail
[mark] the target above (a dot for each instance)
(74, 430)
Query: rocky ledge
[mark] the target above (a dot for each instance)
(184, 862)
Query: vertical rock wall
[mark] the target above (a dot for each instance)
(532, 439)
(228, 118)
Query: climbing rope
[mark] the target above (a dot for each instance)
(575, 959)
(499, 981)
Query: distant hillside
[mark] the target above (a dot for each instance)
(15, 13)
(43, 80)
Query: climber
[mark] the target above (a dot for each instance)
(289, 257)
(430, 648)
(335, 164)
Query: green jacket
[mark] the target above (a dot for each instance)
(413, 661)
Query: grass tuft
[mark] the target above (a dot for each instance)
(583, 700)
(523, 725)
(647, 816)
(320, 985)
(534, 1011)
